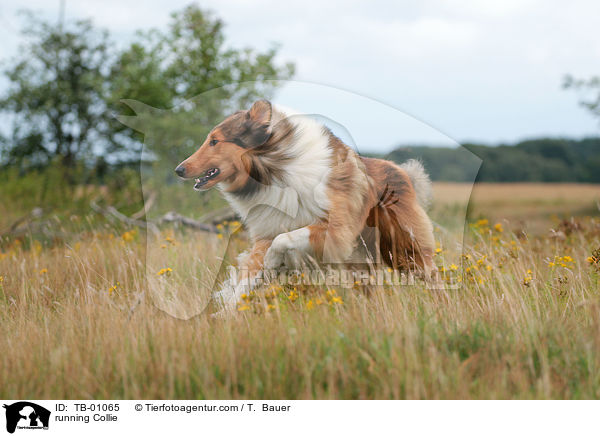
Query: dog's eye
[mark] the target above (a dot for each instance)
(214, 142)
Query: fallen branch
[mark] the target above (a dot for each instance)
(174, 217)
(35, 214)
(147, 206)
(218, 216)
(170, 217)
(112, 213)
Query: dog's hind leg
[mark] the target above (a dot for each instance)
(406, 238)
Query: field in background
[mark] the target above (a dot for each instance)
(79, 316)
(531, 206)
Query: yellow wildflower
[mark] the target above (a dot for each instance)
(129, 235)
(43, 271)
(113, 288)
(332, 297)
(336, 300)
(564, 261)
(293, 295)
(498, 227)
(594, 259)
(164, 271)
(243, 307)
(274, 289)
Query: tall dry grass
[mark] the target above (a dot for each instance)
(82, 320)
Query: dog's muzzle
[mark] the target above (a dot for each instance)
(208, 175)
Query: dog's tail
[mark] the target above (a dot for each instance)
(420, 181)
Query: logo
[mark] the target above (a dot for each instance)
(26, 415)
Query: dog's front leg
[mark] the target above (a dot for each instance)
(246, 277)
(328, 242)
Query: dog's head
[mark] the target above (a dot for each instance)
(223, 157)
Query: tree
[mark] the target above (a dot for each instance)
(191, 79)
(588, 86)
(68, 83)
(57, 94)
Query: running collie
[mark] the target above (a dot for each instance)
(304, 194)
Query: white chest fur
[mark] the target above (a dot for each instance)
(300, 197)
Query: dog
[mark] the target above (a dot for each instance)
(304, 194)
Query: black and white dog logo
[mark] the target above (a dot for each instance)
(26, 415)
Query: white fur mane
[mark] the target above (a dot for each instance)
(299, 197)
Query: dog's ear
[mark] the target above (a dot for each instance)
(259, 120)
(261, 112)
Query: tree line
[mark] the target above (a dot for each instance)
(535, 160)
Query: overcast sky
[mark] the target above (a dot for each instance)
(464, 70)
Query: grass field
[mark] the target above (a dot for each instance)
(80, 317)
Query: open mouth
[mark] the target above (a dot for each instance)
(208, 175)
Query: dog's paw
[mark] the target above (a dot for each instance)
(287, 250)
(226, 303)
(226, 293)
(274, 258)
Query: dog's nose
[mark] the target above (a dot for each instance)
(180, 170)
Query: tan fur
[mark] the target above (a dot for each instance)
(252, 262)
(374, 193)
(406, 233)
